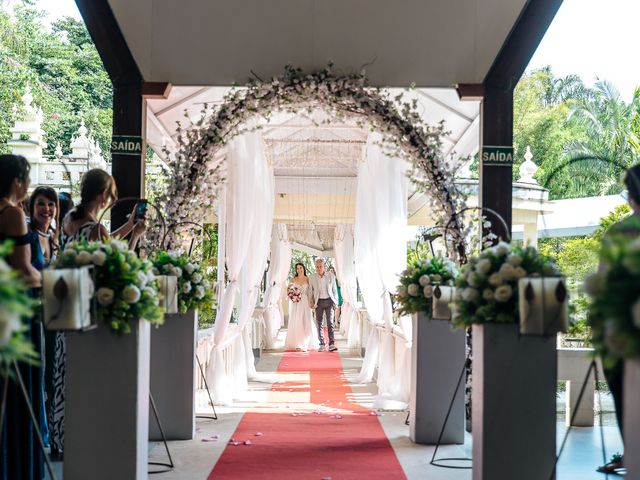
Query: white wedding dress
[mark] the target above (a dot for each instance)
(301, 332)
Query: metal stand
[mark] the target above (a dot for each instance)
(592, 366)
(169, 466)
(434, 460)
(32, 414)
(206, 386)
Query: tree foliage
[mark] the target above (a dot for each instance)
(64, 70)
(581, 138)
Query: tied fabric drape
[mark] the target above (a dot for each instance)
(380, 245)
(345, 263)
(277, 276)
(249, 205)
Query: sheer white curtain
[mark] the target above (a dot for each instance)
(249, 215)
(277, 276)
(380, 245)
(245, 158)
(345, 263)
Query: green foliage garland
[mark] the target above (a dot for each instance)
(15, 307)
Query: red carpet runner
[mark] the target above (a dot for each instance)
(332, 438)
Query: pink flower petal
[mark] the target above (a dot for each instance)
(247, 442)
(258, 434)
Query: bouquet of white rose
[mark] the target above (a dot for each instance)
(124, 283)
(487, 287)
(15, 306)
(417, 283)
(194, 289)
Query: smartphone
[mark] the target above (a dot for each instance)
(141, 209)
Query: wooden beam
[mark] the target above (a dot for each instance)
(156, 90)
(470, 91)
(521, 43)
(128, 111)
(496, 181)
(496, 112)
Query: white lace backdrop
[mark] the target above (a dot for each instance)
(276, 279)
(249, 217)
(380, 255)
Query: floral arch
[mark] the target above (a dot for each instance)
(196, 171)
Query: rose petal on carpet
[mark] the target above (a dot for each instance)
(310, 430)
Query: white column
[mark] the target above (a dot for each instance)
(531, 234)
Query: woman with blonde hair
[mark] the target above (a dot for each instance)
(98, 190)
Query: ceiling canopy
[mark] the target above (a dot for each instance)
(429, 43)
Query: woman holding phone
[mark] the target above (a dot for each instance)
(97, 190)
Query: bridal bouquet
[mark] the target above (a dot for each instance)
(415, 292)
(125, 289)
(15, 306)
(194, 288)
(487, 287)
(294, 293)
(614, 313)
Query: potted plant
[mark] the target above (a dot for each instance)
(514, 376)
(110, 364)
(173, 376)
(614, 315)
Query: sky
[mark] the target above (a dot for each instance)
(591, 38)
(594, 38)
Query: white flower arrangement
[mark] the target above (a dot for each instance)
(125, 290)
(415, 292)
(196, 171)
(194, 289)
(488, 284)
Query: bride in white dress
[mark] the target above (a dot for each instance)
(301, 326)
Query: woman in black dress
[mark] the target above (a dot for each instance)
(20, 456)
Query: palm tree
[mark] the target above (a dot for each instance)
(596, 164)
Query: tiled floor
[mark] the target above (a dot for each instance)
(194, 459)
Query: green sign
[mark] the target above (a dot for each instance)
(126, 145)
(500, 156)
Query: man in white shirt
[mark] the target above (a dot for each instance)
(324, 296)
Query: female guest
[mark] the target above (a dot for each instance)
(44, 221)
(97, 190)
(339, 305)
(43, 214)
(621, 232)
(65, 203)
(20, 456)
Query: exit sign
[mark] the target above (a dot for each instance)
(126, 145)
(497, 156)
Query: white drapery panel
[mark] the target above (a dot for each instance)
(380, 244)
(277, 276)
(346, 272)
(256, 258)
(248, 180)
(249, 204)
